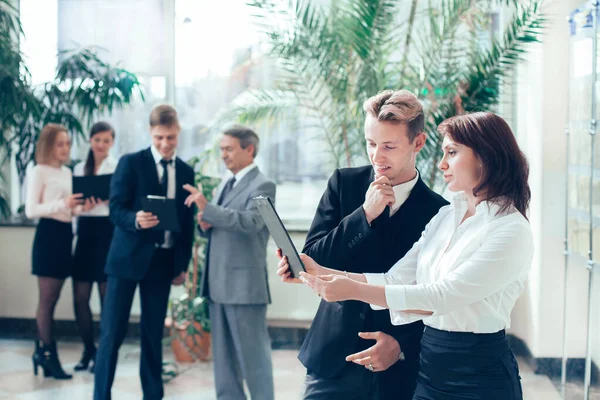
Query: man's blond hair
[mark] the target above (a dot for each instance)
(397, 107)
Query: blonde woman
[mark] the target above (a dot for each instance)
(50, 198)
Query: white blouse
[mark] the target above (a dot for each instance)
(469, 275)
(108, 166)
(47, 189)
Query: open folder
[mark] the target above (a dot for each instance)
(280, 234)
(166, 211)
(97, 186)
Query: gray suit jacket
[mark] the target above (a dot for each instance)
(236, 268)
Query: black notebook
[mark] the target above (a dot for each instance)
(166, 211)
(97, 186)
(279, 234)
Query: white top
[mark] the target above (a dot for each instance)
(168, 243)
(47, 189)
(468, 275)
(108, 166)
(401, 193)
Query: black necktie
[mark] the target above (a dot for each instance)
(164, 187)
(226, 189)
(164, 181)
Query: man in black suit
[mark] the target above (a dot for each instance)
(367, 219)
(141, 256)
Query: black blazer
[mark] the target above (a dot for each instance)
(341, 238)
(131, 249)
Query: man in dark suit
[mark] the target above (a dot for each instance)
(142, 256)
(367, 219)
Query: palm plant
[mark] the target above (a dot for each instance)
(330, 59)
(84, 88)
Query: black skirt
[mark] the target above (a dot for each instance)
(94, 235)
(51, 253)
(464, 365)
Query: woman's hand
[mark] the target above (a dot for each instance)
(90, 203)
(74, 200)
(331, 287)
(283, 268)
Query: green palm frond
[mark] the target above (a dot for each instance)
(331, 58)
(488, 69)
(254, 106)
(93, 85)
(9, 19)
(84, 88)
(4, 206)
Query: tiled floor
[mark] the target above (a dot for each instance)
(574, 390)
(196, 382)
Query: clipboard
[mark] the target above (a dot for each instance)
(97, 186)
(166, 211)
(280, 234)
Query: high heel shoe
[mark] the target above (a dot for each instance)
(37, 358)
(88, 357)
(46, 357)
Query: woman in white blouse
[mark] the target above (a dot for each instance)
(50, 198)
(464, 274)
(94, 235)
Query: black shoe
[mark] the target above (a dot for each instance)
(88, 357)
(38, 358)
(46, 357)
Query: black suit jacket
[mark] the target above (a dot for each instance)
(341, 238)
(131, 249)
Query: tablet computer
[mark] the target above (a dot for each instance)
(280, 234)
(97, 186)
(166, 211)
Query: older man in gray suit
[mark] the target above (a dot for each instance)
(235, 278)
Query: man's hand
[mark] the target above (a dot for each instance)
(146, 220)
(179, 279)
(203, 225)
(379, 195)
(382, 355)
(195, 196)
(283, 267)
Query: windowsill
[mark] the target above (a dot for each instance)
(17, 222)
(296, 225)
(292, 226)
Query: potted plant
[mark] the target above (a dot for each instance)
(189, 322)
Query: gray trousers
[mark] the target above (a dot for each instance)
(241, 351)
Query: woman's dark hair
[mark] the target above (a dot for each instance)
(90, 163)
(505, 169)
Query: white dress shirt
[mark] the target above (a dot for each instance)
(171, 186)
(108, 166)
(47, 189)
(469, 275)
(401, 193)
(242, 173)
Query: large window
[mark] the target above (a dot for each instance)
(196, 55)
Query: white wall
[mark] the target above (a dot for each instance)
(542, 94)
(18, 290)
